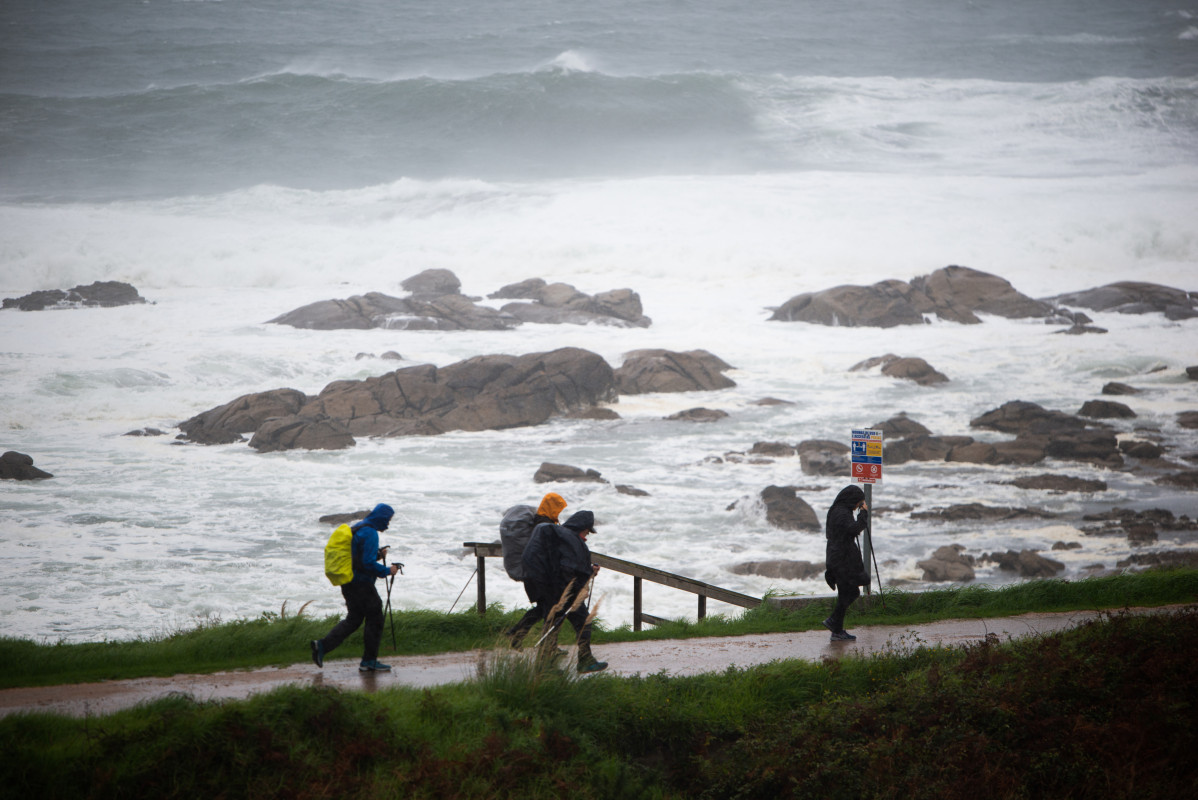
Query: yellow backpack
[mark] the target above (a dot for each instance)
(339, 556)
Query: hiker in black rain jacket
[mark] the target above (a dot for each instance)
(362, 601)
(557, 566)
(846, 570)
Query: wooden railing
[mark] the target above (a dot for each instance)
(639, 573)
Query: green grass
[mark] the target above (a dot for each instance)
(278, 639)
(1105, 710)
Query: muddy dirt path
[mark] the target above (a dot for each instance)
(670, 656)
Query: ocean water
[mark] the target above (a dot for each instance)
(236, 160)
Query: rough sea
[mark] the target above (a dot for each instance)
(237, 159)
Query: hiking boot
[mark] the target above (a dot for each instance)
(318, 652)
(374, 666)
(843, 636)
(593, 665)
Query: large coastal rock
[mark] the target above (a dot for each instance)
(954, 293)
(102, 294)
(1135, 297)
(482, 393)
(449, 312)
(657, 370)
(557, 303)
(16, 466)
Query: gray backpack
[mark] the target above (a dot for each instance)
(514, 531)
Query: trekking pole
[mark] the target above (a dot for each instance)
(869, 526)
(464, 588)
(390, 583)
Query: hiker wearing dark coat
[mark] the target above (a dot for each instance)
(846, 570)
(549, 510)
(557, 567)
(362, 601)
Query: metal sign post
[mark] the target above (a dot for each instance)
(866, 455)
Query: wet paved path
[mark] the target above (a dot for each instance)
(670, 656)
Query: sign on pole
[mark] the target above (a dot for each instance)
(866, 456)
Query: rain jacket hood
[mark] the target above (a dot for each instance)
(379, 518)
(849, 496)
(551, 506)
(580, 521)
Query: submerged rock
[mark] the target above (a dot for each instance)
(16, 466)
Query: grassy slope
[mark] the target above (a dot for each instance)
(1107, 710)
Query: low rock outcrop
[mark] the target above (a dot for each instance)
(1135, 297)
(781, 569)
(1106, 409)
(910, 369)
(1059, 484)
(450, 312)
(979, 512)
(16, 466)
(823, 457)
(954, 293)
(1028, 563)
(553, 473)
(102, 294)
(557, 303)
(1139, 524)
(657, 370)
(948, 564)
(699, 415)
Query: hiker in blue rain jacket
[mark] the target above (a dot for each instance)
(846, 569)
(557, 567)
(362, 601)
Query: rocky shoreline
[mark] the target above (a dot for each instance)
(498, 391)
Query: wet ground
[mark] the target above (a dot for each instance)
(670, 656)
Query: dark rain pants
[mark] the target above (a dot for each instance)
(846, 593)
(362, 602)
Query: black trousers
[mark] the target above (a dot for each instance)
(846, 593)
(363, 604)
(577, 618)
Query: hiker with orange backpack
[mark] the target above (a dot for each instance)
(362, 601)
